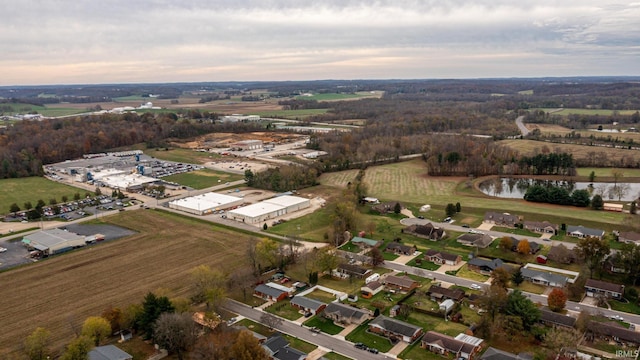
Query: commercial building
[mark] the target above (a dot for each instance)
(268, 209)
(248, 145)
(205, 203)
(53, 241)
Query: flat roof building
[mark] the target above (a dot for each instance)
(53, 241)
(269, 209)
(205, 203)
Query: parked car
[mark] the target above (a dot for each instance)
(465, 225)
(475, 287)
(373, 350)
(360, 346)
(421, 217)
(3, 249)
(447, 219)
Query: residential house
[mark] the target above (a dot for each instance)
(534, 247)
(439, 293)
(479, 240)
(387, 207)
(270, 293)
(501, 219)
(612, 332)
(542, 227)
(364, 243)
(278, 348)
(562, 255)
(370, 289)
(484, 266)
(495, 354)
(629, 237)
(614, 264)
(352, 270)
(395, 329)
(581, 232)
(400, 283)
(609, 290)
(345, 314)
(399, 249)
(452, 347)
(442, 258)
(108, 352)
(551, 318)
(308, 305)
(544, 278)
(428, 231)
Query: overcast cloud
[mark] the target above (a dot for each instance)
(114, 41)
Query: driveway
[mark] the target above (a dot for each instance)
(444, 268)
(485, 226)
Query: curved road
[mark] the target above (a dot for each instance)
(523, 129)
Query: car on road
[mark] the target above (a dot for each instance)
(373, 350)
(465, 225)
(616, 317)
(3, 249)
(421, 217)
(447, 219)
(475, 287)
(360, 346)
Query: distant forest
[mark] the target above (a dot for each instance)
(452, 123)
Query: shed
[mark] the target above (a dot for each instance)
(447, 306)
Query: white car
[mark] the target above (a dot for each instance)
(2, 249)
(475, 287)
(616, 317)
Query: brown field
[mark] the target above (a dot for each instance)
(549, 129)
(338, 179)
(529, 147)
(61, 292)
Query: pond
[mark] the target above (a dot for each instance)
(515, 188)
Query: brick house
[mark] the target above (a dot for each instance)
(442, 258)
(400, 283)
(541, 227)
(427, 231)
(501, 219)
(395, 329)
(399, 249)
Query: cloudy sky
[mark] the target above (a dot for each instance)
(129, 41)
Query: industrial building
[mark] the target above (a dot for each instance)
(269, 209)
(248, 145)
(239, 118)
(53, 241)
(205, 203)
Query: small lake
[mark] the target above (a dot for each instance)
(511, 188)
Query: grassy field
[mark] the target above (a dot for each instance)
(529, 147)
(203, 178)
(606, 172)
(32, 189)
(338, 96)
(290, 114)
(338, 179)
(182, 155)
(324, 324)
(43, 110)
(569, 111)
(61, 292)
(548, 129)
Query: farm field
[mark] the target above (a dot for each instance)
(181, 155)
(569, 111)
(338, 179)
(32, 189)
(529, 147)
(606, 172)
(548, 129)
(61, 292)
(289, 114)
(60, 110)
(203, 178)
(342, 96)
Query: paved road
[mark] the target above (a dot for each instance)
(542, 299)
(331, 343)
(523, 129)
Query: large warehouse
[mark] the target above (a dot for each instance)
(205, 203)
(53, 241)
(269, 209)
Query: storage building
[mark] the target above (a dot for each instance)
(268, 209)
(53, 241)
(205, 203)
(290, 203)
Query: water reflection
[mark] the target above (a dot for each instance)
(515, 188)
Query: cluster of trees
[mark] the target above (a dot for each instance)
(547, 164)
(558, 195)
(283, 178)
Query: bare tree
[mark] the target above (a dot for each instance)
(175, 332)
(270, 321)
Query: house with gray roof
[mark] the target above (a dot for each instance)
(610, 290)
(551, 318)
(308, 305)
(582, 232)
(441, 257)
(612, 331)
(278, 348)
(395, 329)
(485, 266)
(629, 237)
(345, 314)
(479, 240)
(446, 345)
(544, 278)
(365, 243)
(496, 354)
(427, 231)
(399, 249)
(269, 293)
(501, 219)
(108, 352)
(400, 283)
(542, 227)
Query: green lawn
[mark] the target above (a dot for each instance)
(427, 265)
(321, 296)
(629, 307)
(179, 155)
(201, 179)
(464, 272)
(285, 310)
(325, 325)
(33, 189)
(350, 247)
(256, 327)
(523, 232)
(607, 172)
(530, 287)
(360, 334)
(389, 256)
(311, 227)
(415, 352)
(290, 114)
(299, 344)
(333, 96)
(335, 356)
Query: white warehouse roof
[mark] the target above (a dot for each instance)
(126, 181)
(53, 238)
(256, 210)
(286, 200)
(206, 201)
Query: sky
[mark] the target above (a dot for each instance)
(132, 41)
